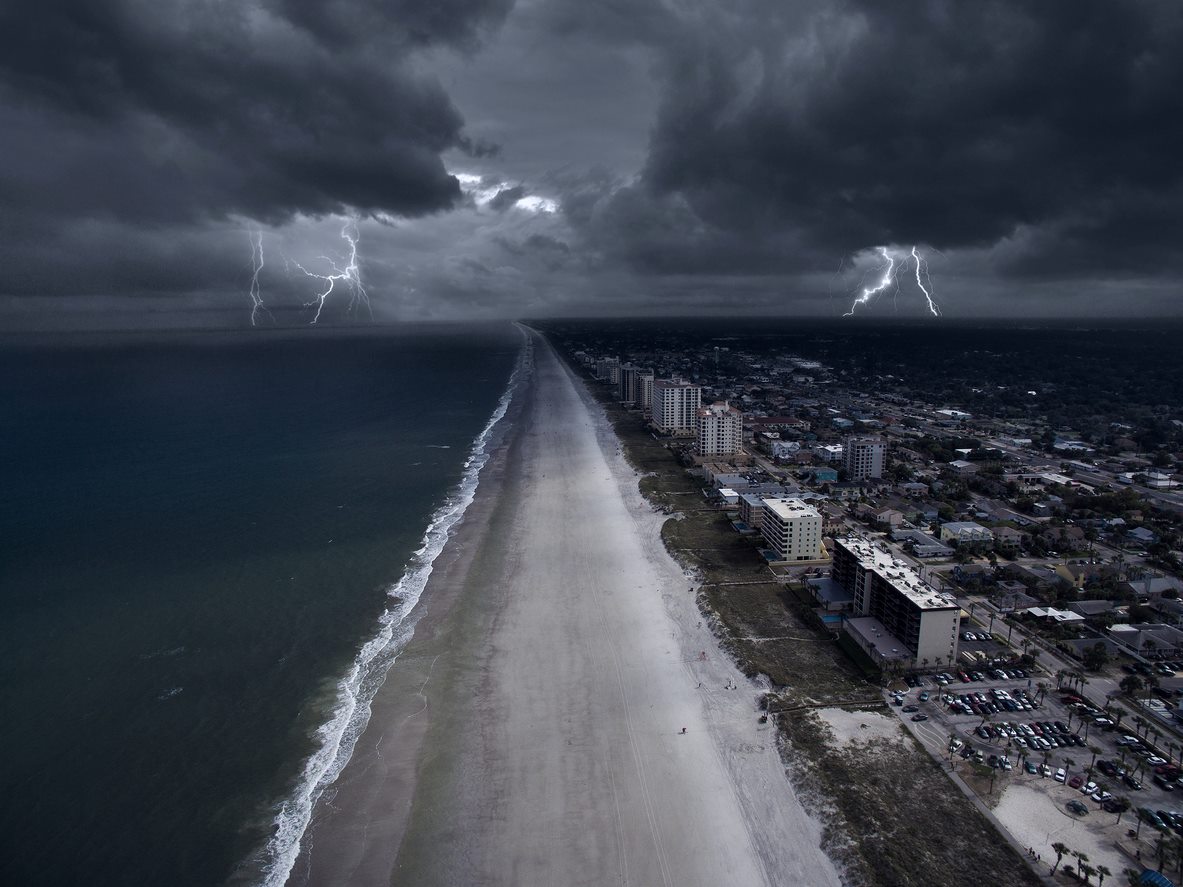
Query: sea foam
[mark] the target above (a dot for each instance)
(336, 738)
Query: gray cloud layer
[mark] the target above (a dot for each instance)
(702, 154)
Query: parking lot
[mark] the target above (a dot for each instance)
(996, 730)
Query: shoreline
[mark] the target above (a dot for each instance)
(399, 627)
(530, 735)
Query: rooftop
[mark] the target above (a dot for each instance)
(787, 509)
(896, 571)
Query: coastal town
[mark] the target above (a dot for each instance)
(1011, 584)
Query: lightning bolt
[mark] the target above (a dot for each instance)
(256, 292)
(936, 312)
(350, 275)
(885, 281)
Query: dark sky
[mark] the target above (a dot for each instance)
(559, 157)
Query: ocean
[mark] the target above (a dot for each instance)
(209, 546)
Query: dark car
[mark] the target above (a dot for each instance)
(1107, 767)
(1131, 782)
(911, 708)
(1077, 807)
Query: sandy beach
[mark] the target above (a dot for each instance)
(563, 715)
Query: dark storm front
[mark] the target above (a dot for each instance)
(197, 537)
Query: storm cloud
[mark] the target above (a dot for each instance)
(565, 156)
(834, 126)
(176, 110)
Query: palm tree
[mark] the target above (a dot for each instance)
(1043, 688)
(1059, 849)
(1068, 765)
(1123, 804)
(1172, 747)
(1089, 871)
(1081, 859)
(1096, 751)
(1102, 874)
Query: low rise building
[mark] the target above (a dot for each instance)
(966, 533)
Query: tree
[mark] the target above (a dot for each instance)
(1089, 871)
(1081, 859)
(1130, 684)
(1096, 751)
(1123, 804)
(1059, 849)
(1102, 874)
(1095, 656)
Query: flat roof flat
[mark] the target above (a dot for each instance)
(898, 573)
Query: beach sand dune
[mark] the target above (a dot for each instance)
(544, 743)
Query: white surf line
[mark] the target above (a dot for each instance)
(339, 735)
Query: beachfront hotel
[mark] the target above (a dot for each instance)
(720, 430)
(792, 528)
(675, 405)
(898, 618)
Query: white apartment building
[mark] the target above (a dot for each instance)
(675, 405)
(720, 430)
(897, 615)
(792, 528)
(865, 457)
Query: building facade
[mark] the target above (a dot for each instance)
(865, 457)
(675, 405)
(792, 528)
(904, 619)
(720, 430)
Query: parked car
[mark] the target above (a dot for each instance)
(1078, 808)
(1060, 774)
(1076, 781)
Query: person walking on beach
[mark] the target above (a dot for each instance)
(683, 730)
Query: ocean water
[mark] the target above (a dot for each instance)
(208, 547)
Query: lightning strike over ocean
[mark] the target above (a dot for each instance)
(889, 270)
(257, 263)
(349, 275)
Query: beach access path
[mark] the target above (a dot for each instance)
(563, 715)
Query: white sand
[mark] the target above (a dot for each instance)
(860, 726)
(1034, 812)
(555, 754)
(598, 671)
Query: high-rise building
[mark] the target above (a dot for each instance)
(792, 528)
(645, 384)
(720, 430)
(604, 367)
(675, 405)
(865, 457)
(898, 617)
(630, 388)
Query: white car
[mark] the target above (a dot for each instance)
(1060, 775)
(1089, 788)
(1155, 761)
